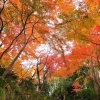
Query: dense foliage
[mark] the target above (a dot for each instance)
(49, 50)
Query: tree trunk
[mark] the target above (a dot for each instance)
(13, 62)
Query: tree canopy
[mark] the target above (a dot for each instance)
(51, 47)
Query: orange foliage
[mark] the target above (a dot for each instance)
(79, 55)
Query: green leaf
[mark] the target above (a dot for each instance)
(2, 94)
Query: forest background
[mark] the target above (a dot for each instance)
(49, 50)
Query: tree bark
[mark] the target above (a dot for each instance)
(13, 62)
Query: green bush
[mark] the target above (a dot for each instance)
(2, 94)
(87, 94)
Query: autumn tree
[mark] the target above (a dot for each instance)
(22, 29)
(63, 35)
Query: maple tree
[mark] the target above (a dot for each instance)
(19, 30)
(42, 39)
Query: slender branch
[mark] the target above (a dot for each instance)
(38, 74)
(4, 2)
(2, 26)
(15, 37)
(17, 56)
(97, 86)
(26, 72)
(95, 43)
